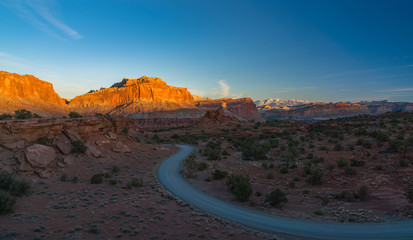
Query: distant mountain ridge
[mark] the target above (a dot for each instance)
(322, 111)
(280, 103)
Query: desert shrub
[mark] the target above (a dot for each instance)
(202, 166)
(5, 116)
(74, 115)
(323, 148)
(6, 180)
(63, 177)
(13, 185)
(258, 193)
(225, 153)
(213, 150)
(35, 115)
(19, 187)
(307, 169)
(46, 141)
(403, 163)
(345, 195)
(75, 179)
(240, 186)
(270, 176)
(23, 114)
(364, 192)
(283, 169)
(399, 146)
(6, 202)
(107, 174)
(318, 212)
(190, 165)
(349, 171)
(115, 169)
(276, 198)
(367, 144)
(78, 146)
(291, 184)
(409, 193)
(96, 179)
(316, 177)
(341, 163)
(113, 181)
(330, 167)
(134, 182)
(338, 147)
(357, 163)
(125, 130)
(218, 174)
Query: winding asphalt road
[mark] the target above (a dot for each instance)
(170, 178)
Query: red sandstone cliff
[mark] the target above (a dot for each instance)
(28, 92)
(242, 108)
(133, 96)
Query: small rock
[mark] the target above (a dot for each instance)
(120, 148)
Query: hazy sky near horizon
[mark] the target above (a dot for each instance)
(296, 49)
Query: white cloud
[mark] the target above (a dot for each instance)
(40, 14)
(224, 88)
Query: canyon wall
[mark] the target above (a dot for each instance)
(28, 92)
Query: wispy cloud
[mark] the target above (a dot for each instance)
(397, 90)
(224, 88)
(9, 60)
(40, 13)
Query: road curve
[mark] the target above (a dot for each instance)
(170, 177)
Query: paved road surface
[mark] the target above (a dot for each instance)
(170, 178)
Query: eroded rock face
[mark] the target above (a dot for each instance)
(28, 92)
(132, 96)
(40, 156)
(243, 109)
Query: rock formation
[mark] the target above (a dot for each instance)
(243, 109)
(139, 98)
(28, 92)
(218, 116)
(132, 97)
(320, 111)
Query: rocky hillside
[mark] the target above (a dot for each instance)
(132, 97)
(321, 111)
(28, 92)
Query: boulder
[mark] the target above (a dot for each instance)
(24, 166)
(40, 156)
(112, 135)
(102, 142)
(14, 145)
(63, 144)
(92, 151)
(120, 148)
(68, 160)
(5, 154)
(72, 135)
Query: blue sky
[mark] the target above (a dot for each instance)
(311, 50)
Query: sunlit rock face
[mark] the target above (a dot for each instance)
(133, 96)
(28, 92)
(243, 109)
